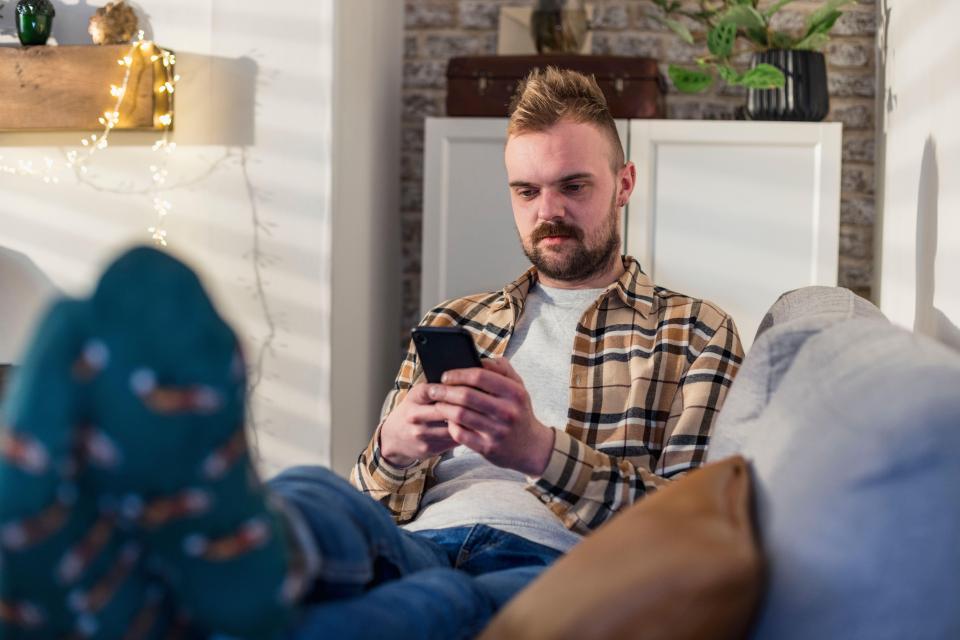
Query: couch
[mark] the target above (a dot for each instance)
(851, 429)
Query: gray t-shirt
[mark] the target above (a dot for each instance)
(469, 489)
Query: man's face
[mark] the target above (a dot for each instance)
(566, 199)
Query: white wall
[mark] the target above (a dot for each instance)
(368, 75)
(250, 186)
(25, 292)
(919, 258)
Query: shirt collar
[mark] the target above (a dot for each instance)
(634, 289)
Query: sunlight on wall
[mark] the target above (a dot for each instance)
(249, 185)
(921, 231)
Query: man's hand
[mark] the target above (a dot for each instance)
(415, 429)
(489, 411)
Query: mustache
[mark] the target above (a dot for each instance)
(560, 229)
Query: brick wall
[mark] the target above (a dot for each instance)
(437, 30)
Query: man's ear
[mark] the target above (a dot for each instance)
(626, 181)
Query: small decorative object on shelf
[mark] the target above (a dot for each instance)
(34, 21)
(559, 26)
(787, 77)
(115, 23)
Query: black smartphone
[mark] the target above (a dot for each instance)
(444, 348)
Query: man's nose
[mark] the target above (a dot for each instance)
(551, 205)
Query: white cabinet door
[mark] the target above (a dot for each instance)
(736, 212)
(470, 243)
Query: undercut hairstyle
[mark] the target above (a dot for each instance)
(545, 98)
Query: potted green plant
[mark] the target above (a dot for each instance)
(787, 76)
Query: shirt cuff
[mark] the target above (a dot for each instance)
(389, 476)
(564, 478)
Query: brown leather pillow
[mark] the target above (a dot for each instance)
(682, 563)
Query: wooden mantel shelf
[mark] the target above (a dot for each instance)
(64, 88)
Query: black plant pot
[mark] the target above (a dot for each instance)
(803, 97)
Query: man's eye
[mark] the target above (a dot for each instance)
(527, 193)
(574, 187)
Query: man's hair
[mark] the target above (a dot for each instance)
(545, 98)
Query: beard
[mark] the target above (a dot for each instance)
(589, 256)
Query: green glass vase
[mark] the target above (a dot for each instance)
(34, 21)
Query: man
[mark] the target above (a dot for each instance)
(598, 387)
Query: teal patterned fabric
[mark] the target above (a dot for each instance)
(128, 503)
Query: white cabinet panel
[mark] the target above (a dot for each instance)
(736, 212)
(467, 220)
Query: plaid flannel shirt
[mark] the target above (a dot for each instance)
(649, 371)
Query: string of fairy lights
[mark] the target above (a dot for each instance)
(77, 160)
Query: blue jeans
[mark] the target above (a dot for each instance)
(379, 581)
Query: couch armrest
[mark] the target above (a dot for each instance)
(822, 305)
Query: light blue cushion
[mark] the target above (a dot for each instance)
(853, 428)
